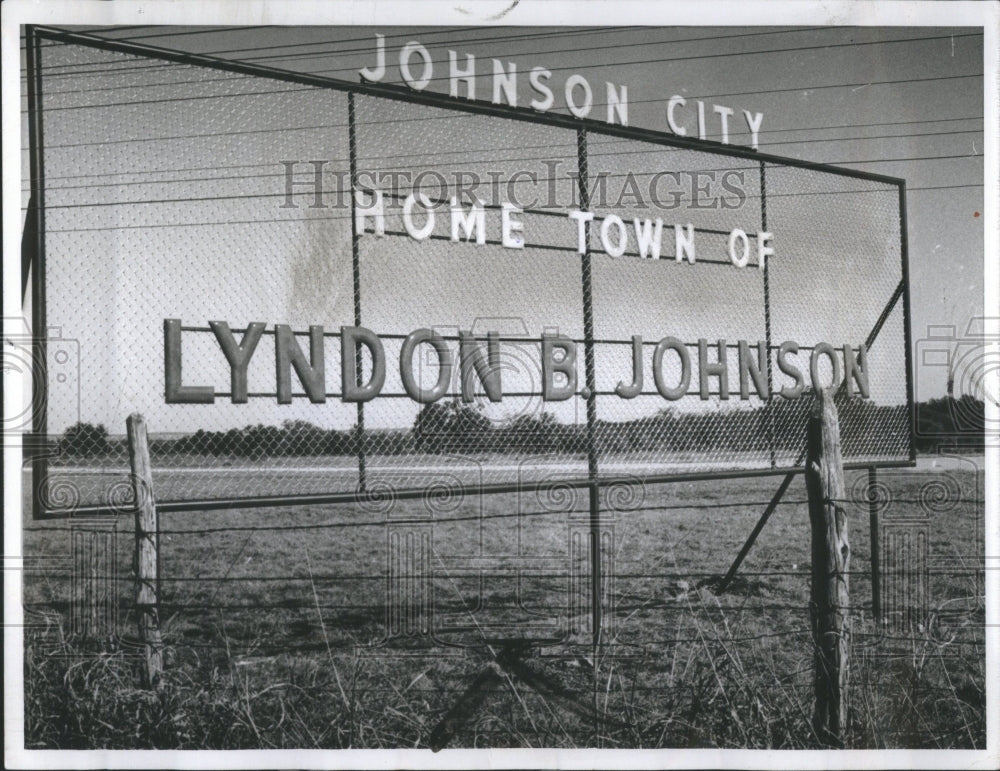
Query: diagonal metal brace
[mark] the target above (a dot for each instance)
(776, 498)
(723, 584)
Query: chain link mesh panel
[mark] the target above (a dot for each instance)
(185, 193)
(165, 198)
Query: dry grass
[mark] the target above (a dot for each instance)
(714, 689)
(682, 666)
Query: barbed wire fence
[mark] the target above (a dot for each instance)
(246, 607)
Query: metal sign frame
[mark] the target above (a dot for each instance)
(582, 127)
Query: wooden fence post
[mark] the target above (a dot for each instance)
(831, 556)
(146, 536)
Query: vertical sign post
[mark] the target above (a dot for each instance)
(36, 252)
(590, 393)
(591, 396)
(769, 407)
(904, 283)
(359, 435)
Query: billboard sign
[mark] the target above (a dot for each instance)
(324, 291)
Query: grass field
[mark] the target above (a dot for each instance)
(464, 621)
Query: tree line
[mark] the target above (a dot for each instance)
(455, 428)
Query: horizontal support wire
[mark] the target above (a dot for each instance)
(527, 514)
(209, 504)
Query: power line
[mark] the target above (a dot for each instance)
(650, 61)
(547, 52)
(161, 171)
(843, 85)
(434, 117)
(450, 117)
(311, 219)
(299, 57)
(728, 54)
(203, 199)
(165, 100)
(97, 30)
(452, 41)
(917, 135)
(907, 160)
(505, 39)
(467, 151)
(347, 216)
(195, 224)
(262, 165)
(332, 190)
(880, 123)
(307, 194)
(943, 187)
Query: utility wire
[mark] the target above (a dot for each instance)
(453, 41)
(596, 141)
(465, 152)
(314, 89)
(633, 175)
